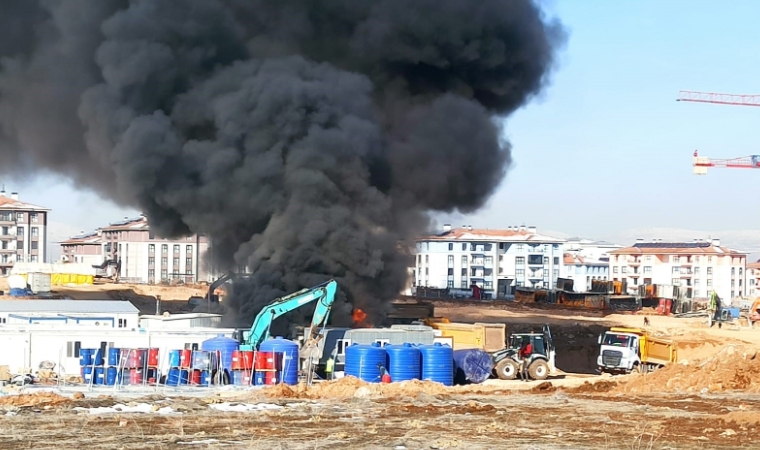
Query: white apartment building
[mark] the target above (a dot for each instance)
(144, 257)
(583, 271)
(494, 260)
(703, 265)
(590, 249)
(753, 280)
(23, 232)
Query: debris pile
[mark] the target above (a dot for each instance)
(36, 399)
(733, 368)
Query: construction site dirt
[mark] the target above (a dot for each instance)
(710, 398)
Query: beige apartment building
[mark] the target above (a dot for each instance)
(144, 257)
(703, 265)
(753, 279)
(23, 232)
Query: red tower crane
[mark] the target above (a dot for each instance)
(701, 163)
(722, 99)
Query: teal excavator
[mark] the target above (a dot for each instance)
(324, 294)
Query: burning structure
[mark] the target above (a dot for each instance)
(305, 138)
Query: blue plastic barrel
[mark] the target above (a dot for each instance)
(289, 359)
(205, 378)
(225, 346)
(437, 363)
(404, 362)
(111, 374)
(472, 366)
(87, 374)
(85, 356)
(174, 358)
(99, 378)
(184, 376)
(259, 378)
(98, 357)
(364, 361)
(172, 378)
(124, 377)
(113, 356)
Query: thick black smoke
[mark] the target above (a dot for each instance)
(307, 138)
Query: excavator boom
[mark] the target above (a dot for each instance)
(323, 293)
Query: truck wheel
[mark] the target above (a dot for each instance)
(506, 369)
(539, 370)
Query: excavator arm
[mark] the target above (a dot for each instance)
(323, 293)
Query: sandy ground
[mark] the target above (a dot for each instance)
(709, 399)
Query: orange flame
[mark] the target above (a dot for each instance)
(360, 318)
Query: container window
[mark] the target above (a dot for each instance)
(341, 345)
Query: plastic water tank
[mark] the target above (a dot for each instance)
(225, 346)
(364, 361)
(437, 363)
(289, 359)
(472, 365)
(404, 362)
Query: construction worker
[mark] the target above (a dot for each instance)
(329, 368)
(526, 350)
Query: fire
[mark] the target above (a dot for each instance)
(360, 318)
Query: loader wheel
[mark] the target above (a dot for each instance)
(539, 370)
(506, 369)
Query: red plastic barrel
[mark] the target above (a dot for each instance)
(246, 360)
(264, 361)
(136, 357)
(135, 376)
(237, 360)
(153, 357)
(195, 377)
(270, 378)
(185, 358)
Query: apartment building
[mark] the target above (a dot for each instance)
(494, 260)
(703, 265)
(144, 257)
(753, 280)
(23, 232)
(583, 270)
(590, 249)
(84, 248)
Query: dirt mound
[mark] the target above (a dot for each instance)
(348, 387)
(588, 388)
(36, 399)
(735, 368)
(544, 388)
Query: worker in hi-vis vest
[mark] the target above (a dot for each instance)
(329, 367)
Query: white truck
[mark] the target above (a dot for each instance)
(625, 350)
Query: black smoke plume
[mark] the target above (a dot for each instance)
(307, 138)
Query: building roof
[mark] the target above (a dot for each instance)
(485, 234)
(137, 224)
(10, 203)
(578, 260)
(84, 239)
(688, 248)
(68, 306)
(754, 265)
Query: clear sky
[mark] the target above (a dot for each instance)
(607, 147)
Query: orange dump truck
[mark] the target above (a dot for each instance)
(625, 350)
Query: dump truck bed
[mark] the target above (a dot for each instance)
(490, 337)
(658, 351)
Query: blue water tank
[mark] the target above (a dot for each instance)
(364, 361)
(225, 346)
(404, 362)
(437, 363)
(288, 360)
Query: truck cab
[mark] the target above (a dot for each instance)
(618, 352)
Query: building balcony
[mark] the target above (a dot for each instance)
(634, 262)
(477, 263)
(8, 237)
(634, 275)
(536, 276)
(686, 275)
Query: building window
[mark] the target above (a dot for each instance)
(696, 259)
(464, 247)
(189, 249)
(709, 260)
(189, 262)
(176, 262)
(676, 269)
(164, 275)
(72, 349)
(151, 248)
(152, 273)
(451, 248)
(188, 270)
(647, 269)
(164, 261)
(427, 259)
(733, 271)
(176, 249)
(464, 261)
(556, 273)
(556, 260)
(675, 281)
(35, 231)
(33, 258)
(615, 269)
(520, 273)
(20, 217)
(19, 231)
(696, 283)
(676, 260)
(451, 260)
(489, 261)
(164, 249)
(520, 261)
(519, 248)
(34, 245)
(709, 271)
(546, 260)
(464, 284)
(488, 285)
(451, 272)
(34, 217)
(151, 261)
(709, 283)
(450, 284)
(624, 269)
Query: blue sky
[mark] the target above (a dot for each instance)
(606, 148)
